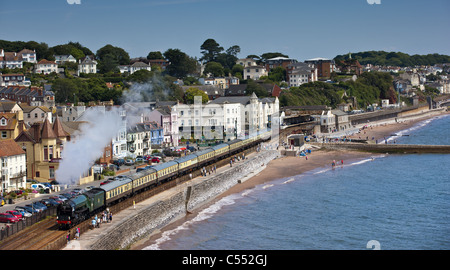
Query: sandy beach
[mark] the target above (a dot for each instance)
(290, 166)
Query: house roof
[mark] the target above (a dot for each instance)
(47, 130)
(10, 148)
(58, 128)
(11, 121)
(45, 61)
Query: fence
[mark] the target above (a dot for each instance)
(13, 228)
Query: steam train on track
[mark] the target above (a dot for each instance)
(93, 201)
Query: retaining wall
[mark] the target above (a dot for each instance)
(187, 198)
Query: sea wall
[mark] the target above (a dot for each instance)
(182, 199)
(388, 148)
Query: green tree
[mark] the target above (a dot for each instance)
(180, 63)
(253, 87)
(192, 92)
(216, 69)
(210, 50)
(155, 55)
(111, 57)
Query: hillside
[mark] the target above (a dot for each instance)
(383, 58)
(368, 88)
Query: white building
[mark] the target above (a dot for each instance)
(246, 62)
(61, 59)
(232, 115)
(36, 114)
(45, 67)
(28, 55)
(134, 67)
(87, 65)
(13, 166)
(119, 143)
(72, 113)
(300, 73)
(15, 60)
(14, 80)
(254, 72)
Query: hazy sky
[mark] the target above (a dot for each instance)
(299, 28)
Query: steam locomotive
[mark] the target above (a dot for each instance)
(91, 202)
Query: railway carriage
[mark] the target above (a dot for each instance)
(234, 145)
(205, 156)
(144, 179)
(118, 190)
(166, 171)
(221, 150)
(187, 163)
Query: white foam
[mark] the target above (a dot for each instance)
(267, 186)
(289, 180)
(201, 216)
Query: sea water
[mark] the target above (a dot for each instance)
(384, 201)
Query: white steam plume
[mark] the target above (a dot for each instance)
(88, 145)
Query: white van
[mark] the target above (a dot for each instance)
(39, 186)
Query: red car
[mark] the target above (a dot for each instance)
(8, 218)
(156, 159)
(15, 213)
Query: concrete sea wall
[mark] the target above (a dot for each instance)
(181, 199)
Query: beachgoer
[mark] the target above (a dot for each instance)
(110, 216)
(68, 237)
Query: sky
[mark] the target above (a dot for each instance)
(301, 29)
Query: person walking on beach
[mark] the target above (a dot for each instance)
(110, 216)
(68, 237)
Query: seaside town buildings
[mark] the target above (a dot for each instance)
(30, 117)
(13, 166)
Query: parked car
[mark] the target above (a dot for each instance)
(37, 206)
(143, 168)
(23, 212)
(15, 213)
(106, 181)
(58, 198)
(8, 218)
(49, 202)
(139, 159)
(25, 208)
(129, 162)
(156, 159)
(119, 161)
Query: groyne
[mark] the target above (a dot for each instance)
(387, 148)
(178, 202)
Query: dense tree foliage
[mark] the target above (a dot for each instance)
(181, 64)
(383, 58)
(369, 88)
(76, 89)
(192, 92)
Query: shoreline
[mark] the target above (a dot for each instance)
(291, 166)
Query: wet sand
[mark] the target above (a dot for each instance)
(290, 166)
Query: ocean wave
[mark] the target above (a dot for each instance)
(289, 180)
(267, 186)
(201, 216)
